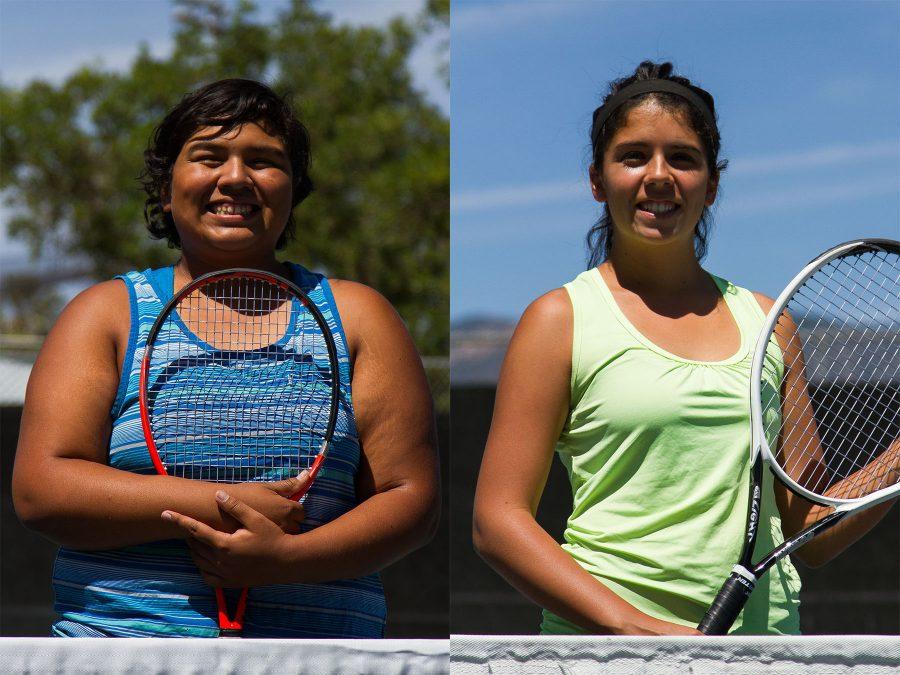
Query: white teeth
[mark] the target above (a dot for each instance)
(657, 207)
(232, 209)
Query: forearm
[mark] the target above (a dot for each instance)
(86, 505)
(377, 532)
(828, 545)
(513, 543)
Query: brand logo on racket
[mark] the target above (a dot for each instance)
(753, 520)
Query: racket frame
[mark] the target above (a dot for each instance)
(232, 627)
(759, 443)
(740, 584)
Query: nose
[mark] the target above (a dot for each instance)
(234, 174)
(658, 172)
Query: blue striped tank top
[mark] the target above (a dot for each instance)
(154, 589)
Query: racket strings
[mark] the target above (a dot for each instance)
(851, 439)
(829, 394)
(849, 362)
(841, 372)
(241, 384)
(887, 355)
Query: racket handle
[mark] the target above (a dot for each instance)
(728, 603)
(231, 628)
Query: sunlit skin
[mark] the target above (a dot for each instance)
(244, 167)
(654, 158)
(64, 488)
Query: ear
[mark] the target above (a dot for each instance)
(166, 199)
(712, 189)
(597, 188)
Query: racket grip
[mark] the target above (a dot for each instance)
(728, 604)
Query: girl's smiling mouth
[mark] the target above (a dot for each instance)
(654, 209)
(232, 210)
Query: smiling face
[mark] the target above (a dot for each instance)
(654, 177)
(231, 193)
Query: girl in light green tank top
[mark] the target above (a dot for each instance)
(660, 473)
(637, 374)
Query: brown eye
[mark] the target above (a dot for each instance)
(682, 158)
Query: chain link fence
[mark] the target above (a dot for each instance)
(437, 369)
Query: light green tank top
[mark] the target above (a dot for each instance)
(657, 449)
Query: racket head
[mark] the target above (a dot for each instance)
(239, 380)
(825, 377)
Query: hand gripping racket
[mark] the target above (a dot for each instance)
(239, 382)
(824, 400)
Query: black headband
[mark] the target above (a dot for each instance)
(603, 113)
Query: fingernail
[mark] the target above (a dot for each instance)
(167, 515)
(303, 474)
(221, 496)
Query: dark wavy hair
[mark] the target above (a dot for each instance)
(227, 103)
(600, 237)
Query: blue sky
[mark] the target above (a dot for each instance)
(49, 39)
(808, 97)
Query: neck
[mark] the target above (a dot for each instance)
(656, 270)
(190, 266)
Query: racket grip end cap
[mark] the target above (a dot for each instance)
(728, 603)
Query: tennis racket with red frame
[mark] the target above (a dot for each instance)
(824, 401)
(239, 382)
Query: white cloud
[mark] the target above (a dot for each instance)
(790, 199)
(504, 15)
(424, 61)
(367, 12)
(815, 158)
(425, 58)
(555, 191)
(787, 203)
(56, 67)
(524, 195)
(843, 89)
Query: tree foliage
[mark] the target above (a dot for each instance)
(71, 152)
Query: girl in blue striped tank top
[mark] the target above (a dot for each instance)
(223, 172)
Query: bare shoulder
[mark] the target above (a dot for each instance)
(75, 378)
(765, 302)
(366, 315)
(95, 325)
(550, 312)
(100, 310)
(353, 297)
(542, 340)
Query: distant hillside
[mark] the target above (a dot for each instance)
(477, 347)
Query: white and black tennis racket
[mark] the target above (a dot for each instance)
(239, 382)
(825, 401)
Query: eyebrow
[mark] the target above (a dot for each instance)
(643, 144)
(214, 145)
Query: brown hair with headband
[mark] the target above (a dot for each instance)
(675, 94)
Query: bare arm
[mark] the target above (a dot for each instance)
(397, 482)
(531, 408)
(62, 486)
(796, 512)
